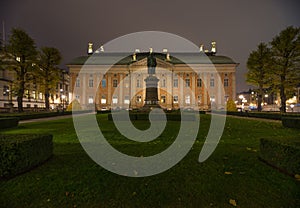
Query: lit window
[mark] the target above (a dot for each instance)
(175, 99)
(175, 83)
(187, 99)
(115, 99)
(212, 98)
(163, 99)
(139, 99)
(187, 82)
(91, 99)
(103, 99)
(212, 82)
(126, 100)
(199, 99)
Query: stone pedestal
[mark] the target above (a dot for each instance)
(151, 100)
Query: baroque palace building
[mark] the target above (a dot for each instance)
(110, 80)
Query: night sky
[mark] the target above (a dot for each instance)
(237, 26)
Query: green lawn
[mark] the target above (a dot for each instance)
(71, 179)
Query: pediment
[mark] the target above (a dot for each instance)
(160, 63)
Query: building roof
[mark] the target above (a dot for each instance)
(126, 59)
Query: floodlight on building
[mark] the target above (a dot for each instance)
(165, 50)
(102, 48)
(150, 50)
(18, 58)
(137, 50)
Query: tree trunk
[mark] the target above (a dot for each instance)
(259, 99)
(283, 100)
(282, 95)
(47, 95)
(20, 98)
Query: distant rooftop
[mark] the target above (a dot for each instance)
(108, 58)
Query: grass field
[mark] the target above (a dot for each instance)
(233, 172)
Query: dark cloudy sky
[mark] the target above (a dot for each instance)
(237, 26)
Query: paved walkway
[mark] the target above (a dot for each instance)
(45, 119)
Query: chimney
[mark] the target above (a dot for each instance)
(90, 48)
(213, 47)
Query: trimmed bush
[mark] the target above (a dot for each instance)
(9, 122)
(20, 153)
(291, 122)
(281, 153)
(145, 116)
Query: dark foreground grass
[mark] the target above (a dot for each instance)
(72, 179)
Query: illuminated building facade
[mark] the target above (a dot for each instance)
(186, 80)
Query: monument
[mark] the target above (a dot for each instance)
(151, 100)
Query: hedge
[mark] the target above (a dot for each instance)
(283, 154)
(291, 122)
(9, 122)
(27, 116)
(20, 153)
(145, 116)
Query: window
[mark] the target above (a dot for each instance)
(103, 99)
(138, 83)
(77, 84)
(139, 99)
(212, 82)
(115, 99)
(91, 83)
(103, 83)
(175, 99)
(199, 99)
(40, 96)
(226, 83)
(115, 83)
(175, 82)
(163, 99)
(163, 83)
(76, 96)
(199, 82)
(187, 82)
(212, 98)
(91, 99)
(187, 99)
(126, 100)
